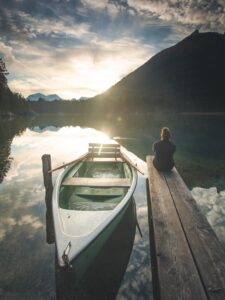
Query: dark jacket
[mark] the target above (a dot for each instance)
(164, 150)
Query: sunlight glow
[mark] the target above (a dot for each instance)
(104, 80)
(82, 71)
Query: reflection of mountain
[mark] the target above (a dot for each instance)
(43, 129)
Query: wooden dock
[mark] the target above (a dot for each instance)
(188, 261)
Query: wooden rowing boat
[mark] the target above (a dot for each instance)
(90, 198)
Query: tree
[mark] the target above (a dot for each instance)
(9, 101)
(3, 73)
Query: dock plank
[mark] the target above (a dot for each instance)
(175, 273)
(208, 253)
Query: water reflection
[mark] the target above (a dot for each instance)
(212, 204)
(137, 281)
(5, 159)
(27, 264)
(28, 272)
(43, 129)
(8, 130)
(196, 137)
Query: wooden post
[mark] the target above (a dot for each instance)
(46, 166)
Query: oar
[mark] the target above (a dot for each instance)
(71, 162)
(129, 161)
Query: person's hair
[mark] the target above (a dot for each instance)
(165, 133)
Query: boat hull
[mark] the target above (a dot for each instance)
(104, 274)
(81, 249)
(82, 262)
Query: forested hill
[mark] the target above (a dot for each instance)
(10, 102)
(189, 76)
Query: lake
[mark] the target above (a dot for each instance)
(28, 261)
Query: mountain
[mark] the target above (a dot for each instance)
(188, 76)
(37, 96)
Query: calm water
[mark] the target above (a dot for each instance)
(27, 261)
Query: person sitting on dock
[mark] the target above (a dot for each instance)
(164, 150)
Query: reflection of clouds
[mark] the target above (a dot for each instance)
(23, 218)
(212, 205)
(18, 203)
(27, 264)
(76, 137)
(137, 279)
(64, 145)
(30, 220)
(142, 211)
(5, 226)
(8, 224)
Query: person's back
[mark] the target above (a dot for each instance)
(164, 150)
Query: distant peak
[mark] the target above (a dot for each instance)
(203, 37)
(37, 96)
(195, 32)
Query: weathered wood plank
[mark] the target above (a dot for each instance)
(104, 145)
(106, 150)
(104, 154)
(208, 253)
(177, 276)
(46, 166)
(97, 182)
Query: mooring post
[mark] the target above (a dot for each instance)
(46, 166)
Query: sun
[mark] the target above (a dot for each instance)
(104, 79)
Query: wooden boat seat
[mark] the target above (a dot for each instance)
(97, 182)
(105, 159)
(104, 150)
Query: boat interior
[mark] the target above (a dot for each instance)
(95, 185)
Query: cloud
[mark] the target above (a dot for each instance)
(50, 27)
(70, 52)
(7, 53)
(21, 25)
(82, 47)
(207, 15)
(77, 70)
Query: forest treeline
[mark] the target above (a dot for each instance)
(10, 102)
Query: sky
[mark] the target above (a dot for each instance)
(76, 48)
